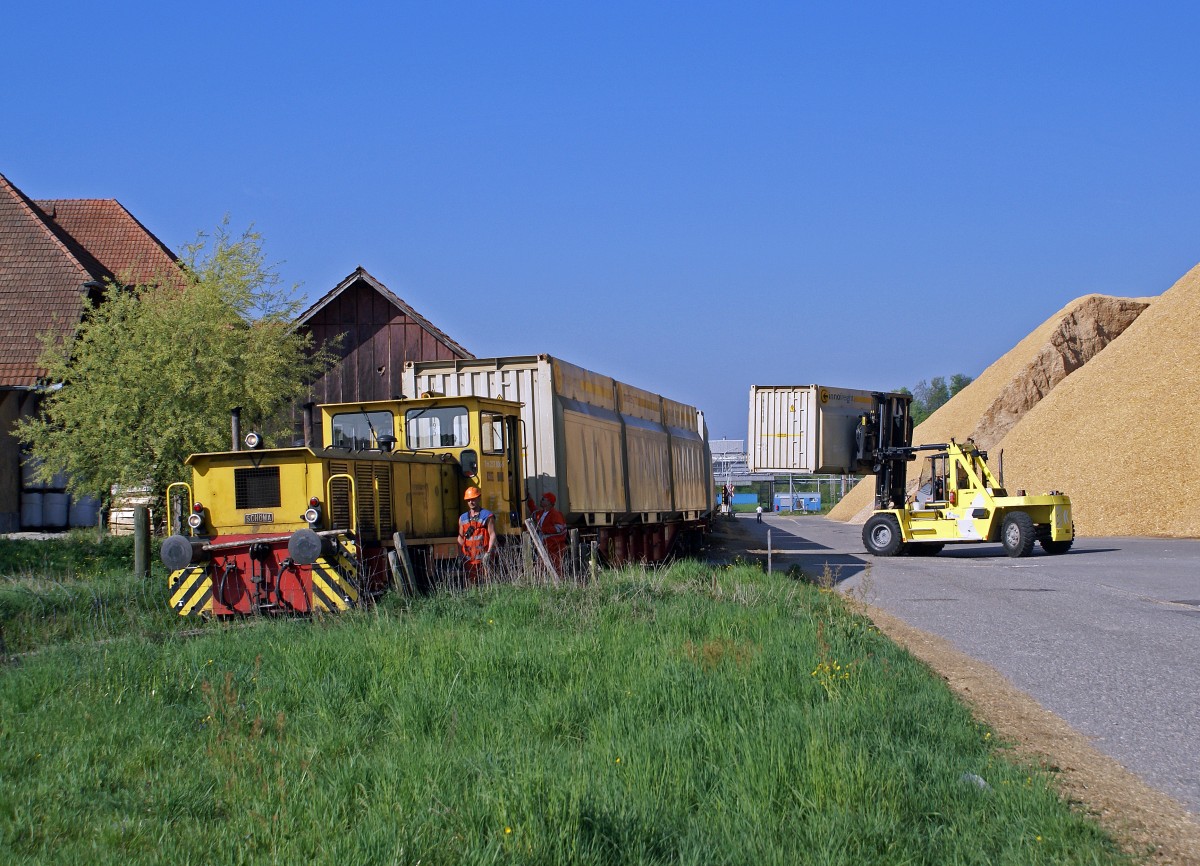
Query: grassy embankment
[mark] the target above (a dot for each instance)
(692, 715)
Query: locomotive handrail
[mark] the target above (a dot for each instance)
(191, 501)
(353, 499)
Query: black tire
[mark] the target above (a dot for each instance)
(924, 548)
(1018, 534)
(1054, 548)
(881, 535)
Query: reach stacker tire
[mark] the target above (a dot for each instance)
(1018, 534)
(881, 535)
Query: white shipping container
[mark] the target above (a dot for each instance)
(608, 451)
(807, 429)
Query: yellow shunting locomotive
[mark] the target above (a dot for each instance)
(306, 529)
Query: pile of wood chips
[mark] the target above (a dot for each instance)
(1071, 417)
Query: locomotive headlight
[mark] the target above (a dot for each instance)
(312, 515)
(253, 440)
(196, 518)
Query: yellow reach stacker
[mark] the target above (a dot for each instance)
(958, 500)
(815, 429)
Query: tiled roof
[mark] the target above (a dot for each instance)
(112, 236)
(49, 252)
(41, 286)
(360, 273)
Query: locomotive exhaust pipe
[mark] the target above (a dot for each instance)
(235, 422)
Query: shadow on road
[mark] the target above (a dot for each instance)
(790, 552)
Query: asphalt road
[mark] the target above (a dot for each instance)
(1107, 636)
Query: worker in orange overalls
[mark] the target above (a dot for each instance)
(476, 535)
(552, 528)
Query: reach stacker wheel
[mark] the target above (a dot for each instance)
(1018, 534)
(881, 535)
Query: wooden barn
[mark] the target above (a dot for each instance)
(379, 332)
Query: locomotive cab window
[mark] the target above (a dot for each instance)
(359, 431)
(440, 427)
(492, 428)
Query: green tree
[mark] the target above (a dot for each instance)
(154, 370)
(929, 396)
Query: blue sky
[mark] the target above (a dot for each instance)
(692, 197)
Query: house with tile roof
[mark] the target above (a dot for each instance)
(378, 333)
(55, 256)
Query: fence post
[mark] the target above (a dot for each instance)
(768, 551)
(141, 541)
(573, 541)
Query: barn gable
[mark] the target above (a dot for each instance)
(379, 334)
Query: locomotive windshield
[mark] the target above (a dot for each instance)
(441, 427)
(361, 430)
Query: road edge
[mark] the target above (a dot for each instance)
(1150, 824)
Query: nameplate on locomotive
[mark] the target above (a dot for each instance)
(260, 517)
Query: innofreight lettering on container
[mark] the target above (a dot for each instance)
(806, 429)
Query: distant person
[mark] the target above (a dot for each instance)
(552, 529)
(476, 536)
(758, 514)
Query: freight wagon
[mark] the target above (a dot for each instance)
(629, 468)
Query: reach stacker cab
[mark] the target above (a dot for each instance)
(958, 499)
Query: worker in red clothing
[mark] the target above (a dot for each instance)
(552, 528)
(476, 535)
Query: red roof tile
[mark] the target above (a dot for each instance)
(49, 253)
(112, 236)
(41, 286)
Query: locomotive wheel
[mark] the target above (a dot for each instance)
(881, 535)
(1018, 534)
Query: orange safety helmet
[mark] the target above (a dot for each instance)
(472, 493)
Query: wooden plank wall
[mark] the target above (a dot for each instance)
(378, 339)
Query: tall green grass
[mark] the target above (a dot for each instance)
(76, 588)
(694, 715)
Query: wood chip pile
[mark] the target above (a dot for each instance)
(1120, 435)
(1002, 396)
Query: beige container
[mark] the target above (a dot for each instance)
(611, 453)
(807, 429)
